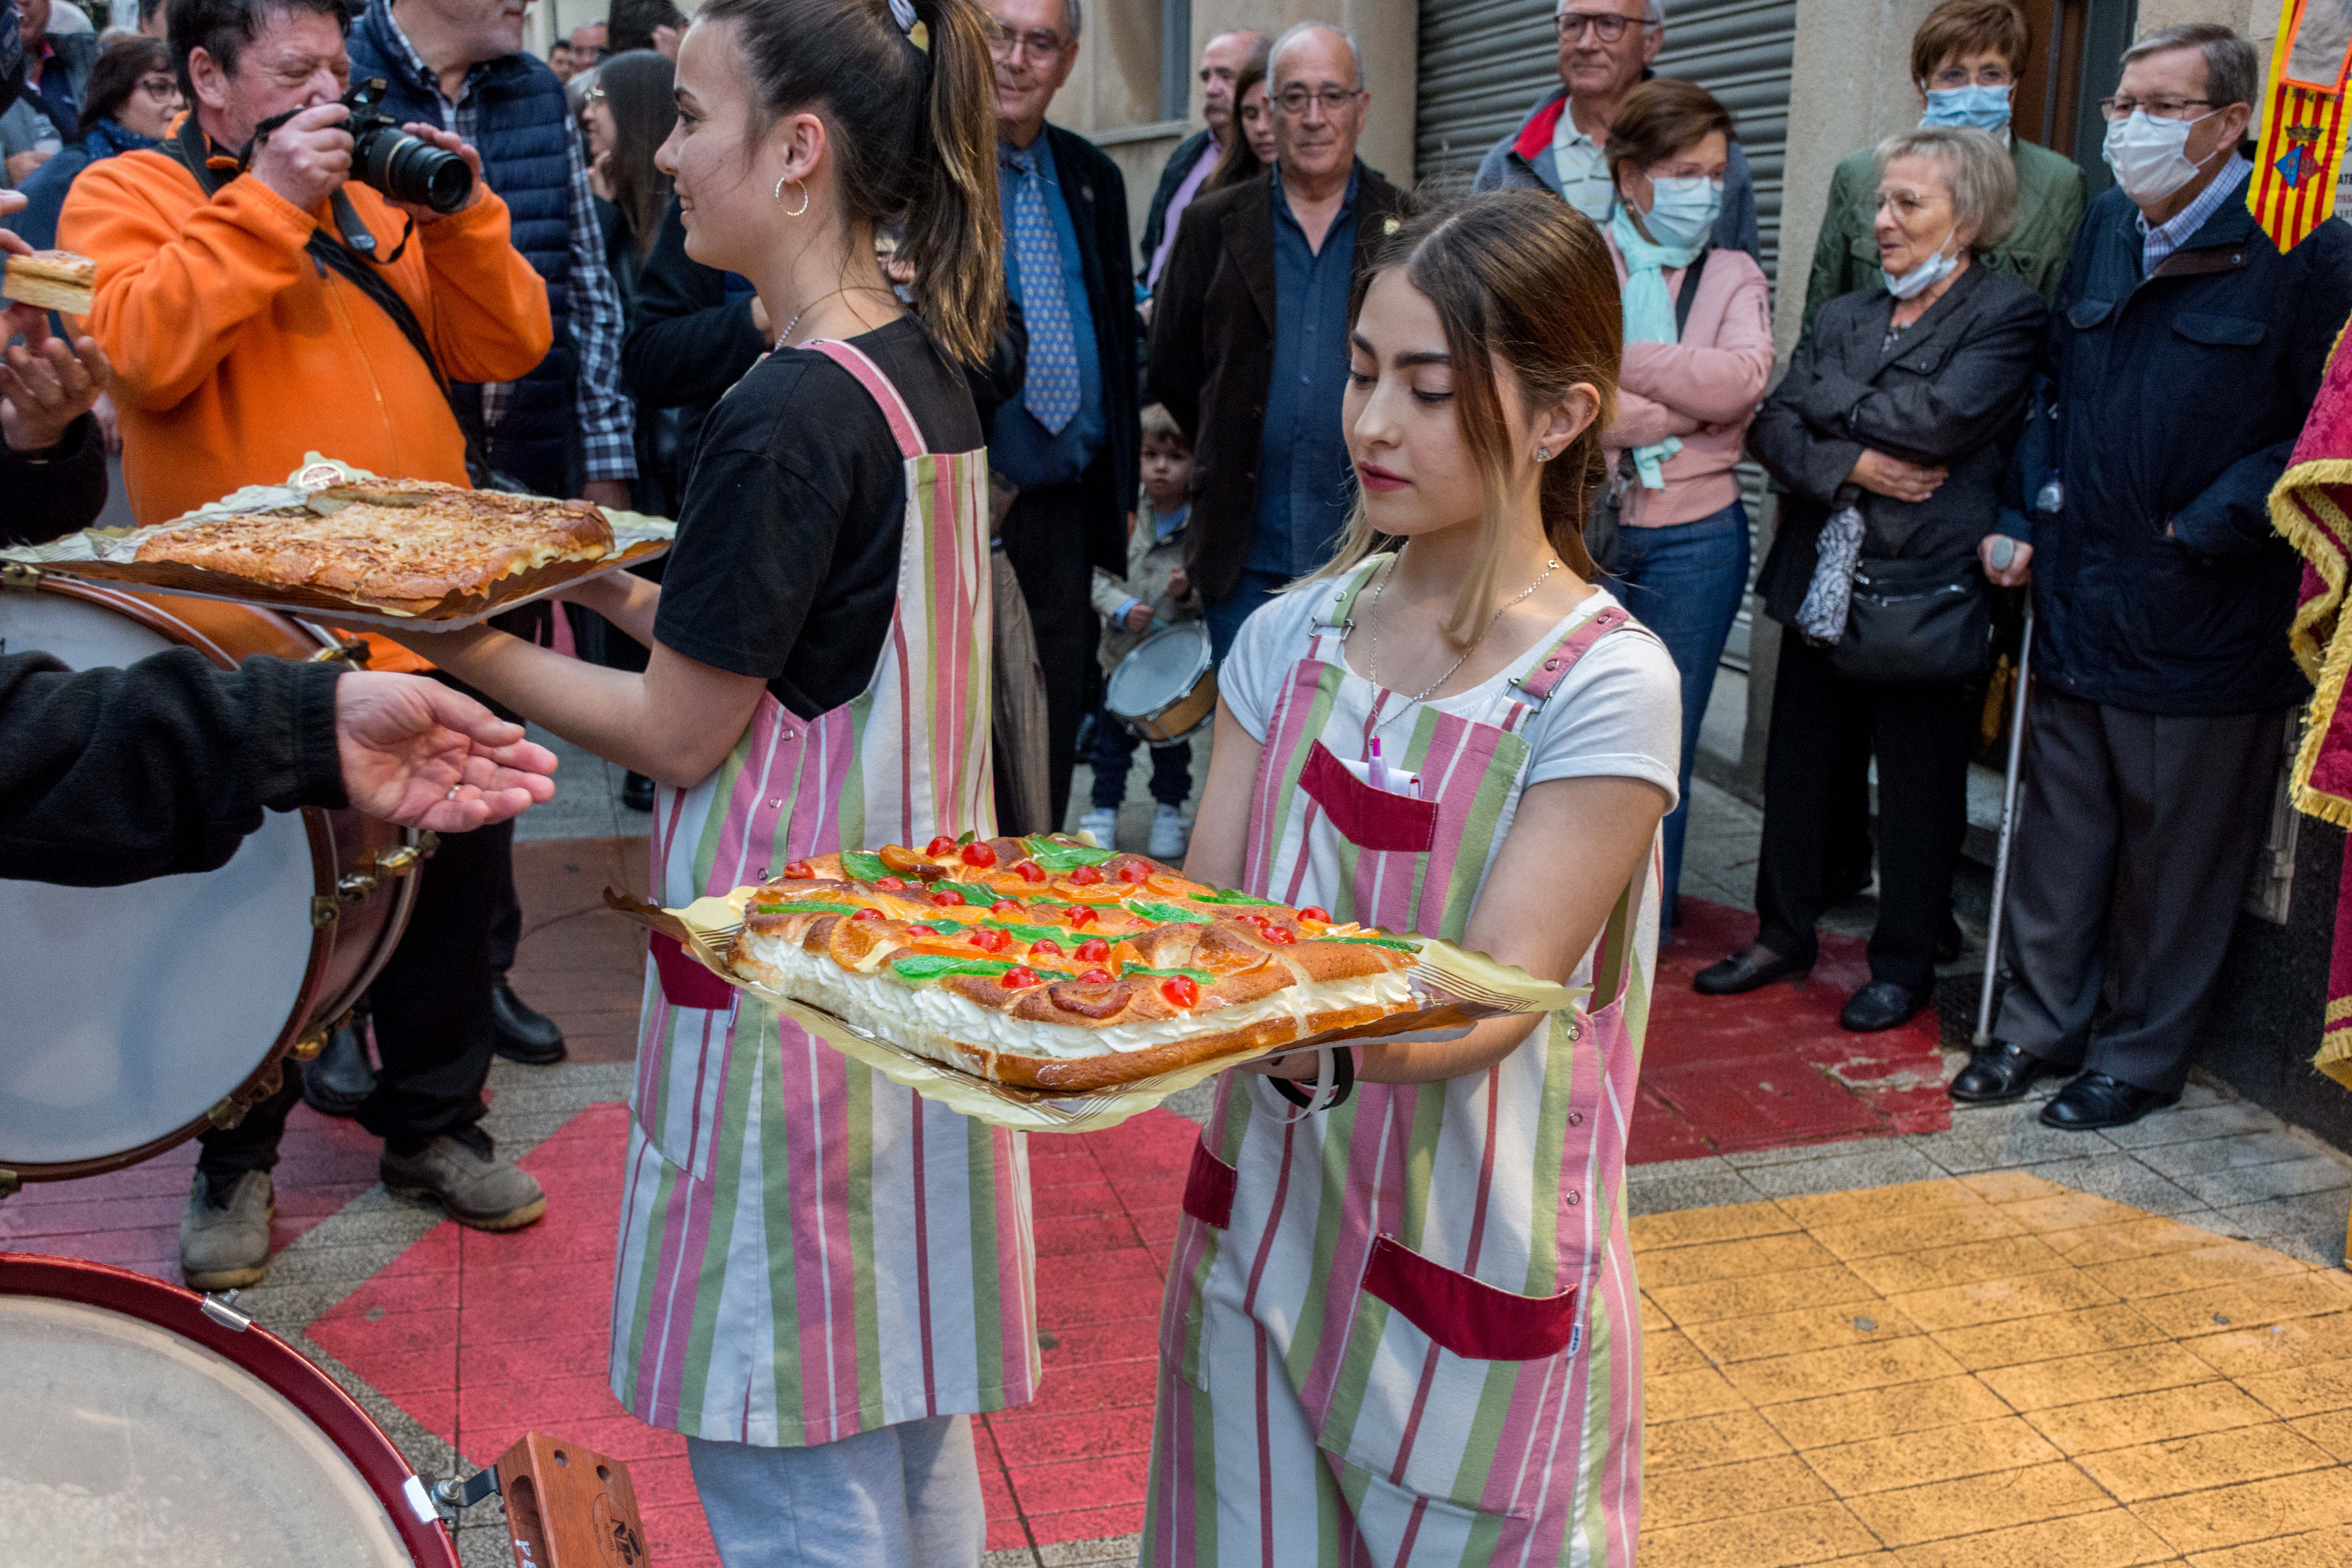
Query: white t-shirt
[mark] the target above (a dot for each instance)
(1618, 713)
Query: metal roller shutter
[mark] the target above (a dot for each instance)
(1483, 62)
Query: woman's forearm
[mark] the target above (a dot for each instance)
(626, 600)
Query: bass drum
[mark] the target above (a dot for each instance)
(137, 1017)
(148, 1424)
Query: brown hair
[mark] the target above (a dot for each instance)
(1157, 421)
(1239, 162)
(638, 89)
(1523, 278)
(1968, 27)
(116, 77)
(847, 60)
(1659, 118)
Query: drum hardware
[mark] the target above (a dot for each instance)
(19, 576)
(308, 1047)
(567, 1507)
(339, 648)
(1166, 687)
(355, 886)
(231, 1108)
(219, 1305)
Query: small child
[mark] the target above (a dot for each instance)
(1156, 587)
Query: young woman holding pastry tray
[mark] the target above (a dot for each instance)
(1406, 1330)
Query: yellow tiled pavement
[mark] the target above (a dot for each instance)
(1992, 1371)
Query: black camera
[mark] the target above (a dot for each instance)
(398, 164)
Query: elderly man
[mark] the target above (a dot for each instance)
(1222, 58)
(245, 329)
(2185, 351)
(1605, 49)
(1249, 349)
(1070, 441)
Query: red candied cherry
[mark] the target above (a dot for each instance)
(1004, 907)
(1135, 872)
(866, 915)
(799, 870)
(1179, 990)
(1086, 877)
(947, 896)
(923, 931)
(988, 941)
(1083, 916)
(1095, 977)
(1094, 949)
(1030, 871)
(1317, 913)
(1281, 936)
(980, 854)
(1019, 975)
(940, 846)
(892, 884)
(1045, 945)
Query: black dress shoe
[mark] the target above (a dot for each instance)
(1883, 1004)
(1744, 971)
(637, 793)
(339, 1077)
(2000, 1071)
(2095, 1100)
(524, 1035)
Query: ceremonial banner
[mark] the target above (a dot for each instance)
(2294, 188)
(2312, 505)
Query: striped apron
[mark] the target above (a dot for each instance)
(808, 1250)
(1405, 1331)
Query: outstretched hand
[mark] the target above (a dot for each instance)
(417, 753)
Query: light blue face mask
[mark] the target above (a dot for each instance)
(1683, 211)
(1982, 109)
(1926, 276)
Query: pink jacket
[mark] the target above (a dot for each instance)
(1703, 390)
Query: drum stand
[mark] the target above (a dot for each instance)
(566, 1506)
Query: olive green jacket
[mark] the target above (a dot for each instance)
(2050, 201)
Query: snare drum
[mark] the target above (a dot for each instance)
(146, 1424)
(1166, 687)
(136, 1016)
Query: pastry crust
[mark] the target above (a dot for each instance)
(1105, 970)
(401, 543)
(52, 280)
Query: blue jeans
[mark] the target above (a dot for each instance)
(1115, 743)
(1685, 582)
(1226, 616)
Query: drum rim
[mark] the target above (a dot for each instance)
(141, 609)
(175, 1309)
(1207, 665)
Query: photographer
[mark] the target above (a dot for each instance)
(258, 304)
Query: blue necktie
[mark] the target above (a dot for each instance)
(1051, 391)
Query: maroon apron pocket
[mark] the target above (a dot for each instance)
(1465, 1315)
(1374, 819)
(1208, 1189)
(685, 983)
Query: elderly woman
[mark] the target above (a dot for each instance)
(1890, 433)
(1698, 349)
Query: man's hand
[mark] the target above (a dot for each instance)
(43, 390)
(448, 142)
(1139, 617)
(1180, 583)
(30, 319)
(2017, 572)
(417, 753)
(22, 165)
(1895, 478)
(614, 493)
(306, 158)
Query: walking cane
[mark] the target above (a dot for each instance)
(2007, 822)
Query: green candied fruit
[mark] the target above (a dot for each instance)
(1167, 914)
(805, 906)
(863, 866)
(1227, 896)
(1201, 976)
(1397, 942)
(1065, 857)
(925, 966)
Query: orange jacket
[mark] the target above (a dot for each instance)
(235, 352)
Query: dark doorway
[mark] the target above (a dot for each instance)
(2078, 47)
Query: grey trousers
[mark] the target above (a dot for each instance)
(902, 1494)
(2135, 833)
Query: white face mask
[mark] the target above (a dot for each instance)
(1926, 276)
(1683, 211)
(2149, 155)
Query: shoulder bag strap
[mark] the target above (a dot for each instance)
(1688, 295)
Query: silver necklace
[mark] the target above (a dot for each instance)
(1372, 663)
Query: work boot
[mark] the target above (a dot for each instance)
(225, 1232)
(1103, 823)
(338, 1078)
(463, 1172)
(522, 1032)
(1167, 833)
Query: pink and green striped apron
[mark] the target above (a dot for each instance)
(1405, 1330)
(808, 1250)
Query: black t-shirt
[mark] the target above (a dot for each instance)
(786, 565)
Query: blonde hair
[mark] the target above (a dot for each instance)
(1522, 277)
(1978, 170)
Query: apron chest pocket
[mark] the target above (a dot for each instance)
(1373, 819)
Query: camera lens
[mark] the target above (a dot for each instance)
(408, 169)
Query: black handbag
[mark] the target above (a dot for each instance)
(1915, 621)
(1600, 521)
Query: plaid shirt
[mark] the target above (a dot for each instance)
(2173, 233)
(607, 418)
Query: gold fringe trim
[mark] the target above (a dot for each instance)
(2321, 633)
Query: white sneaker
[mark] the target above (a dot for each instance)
(1167, 833)
(1103, 825)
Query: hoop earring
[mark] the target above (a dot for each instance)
(782, 180)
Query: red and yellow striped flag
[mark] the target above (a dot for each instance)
(2294, 188)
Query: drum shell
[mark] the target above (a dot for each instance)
(356, 917)
(1170, 721)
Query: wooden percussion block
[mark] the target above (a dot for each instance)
(570, 1507)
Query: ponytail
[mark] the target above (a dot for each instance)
(934, 172)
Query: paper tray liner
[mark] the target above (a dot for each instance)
(1460, 987)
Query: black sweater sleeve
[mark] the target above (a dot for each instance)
(114, 775)
(57, 496)
(688, 342)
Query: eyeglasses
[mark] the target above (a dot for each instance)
(1607, 26)
(1908, 204)
(1294, 101)
(2158, 108)
(1041, 46)
(160, 86)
